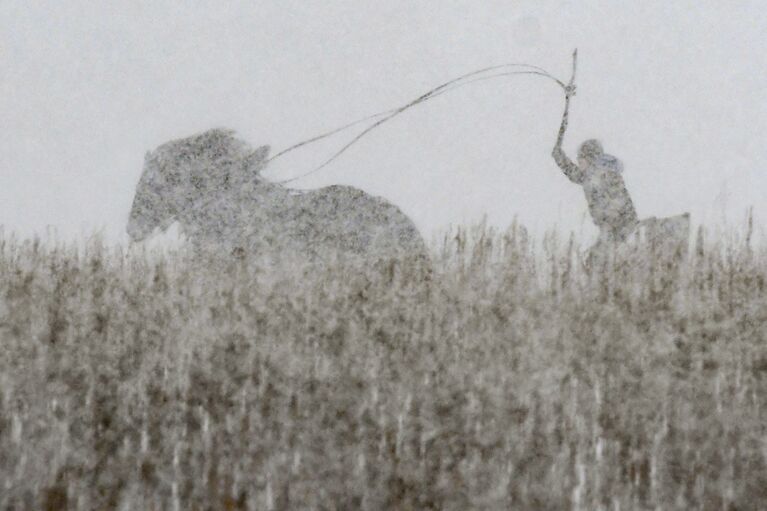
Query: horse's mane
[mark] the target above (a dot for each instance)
(213, 144)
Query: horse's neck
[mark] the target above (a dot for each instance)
(261, 196)
(229, 205)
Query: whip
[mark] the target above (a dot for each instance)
(480, 75)
(569, 92)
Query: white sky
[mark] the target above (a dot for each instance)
(677, 90)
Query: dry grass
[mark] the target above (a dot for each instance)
(511, 379)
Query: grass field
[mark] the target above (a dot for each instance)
(511, 378)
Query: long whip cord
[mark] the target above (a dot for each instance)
(380, 118)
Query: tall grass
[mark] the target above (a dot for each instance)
(511, 377)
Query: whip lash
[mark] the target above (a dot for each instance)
(456, 83)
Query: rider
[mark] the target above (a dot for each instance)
(609, 203)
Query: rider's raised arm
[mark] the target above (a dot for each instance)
(571, 170)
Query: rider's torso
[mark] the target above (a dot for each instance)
(609, 202)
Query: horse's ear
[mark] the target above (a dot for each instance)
(256, 160)
(262, 152)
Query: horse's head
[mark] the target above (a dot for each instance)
(179, 177)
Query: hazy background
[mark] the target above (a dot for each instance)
(677, 90)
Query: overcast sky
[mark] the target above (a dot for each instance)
(676, 90)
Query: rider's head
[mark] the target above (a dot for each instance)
(589, 152)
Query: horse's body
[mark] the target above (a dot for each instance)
(663, 239)
(211, 185)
